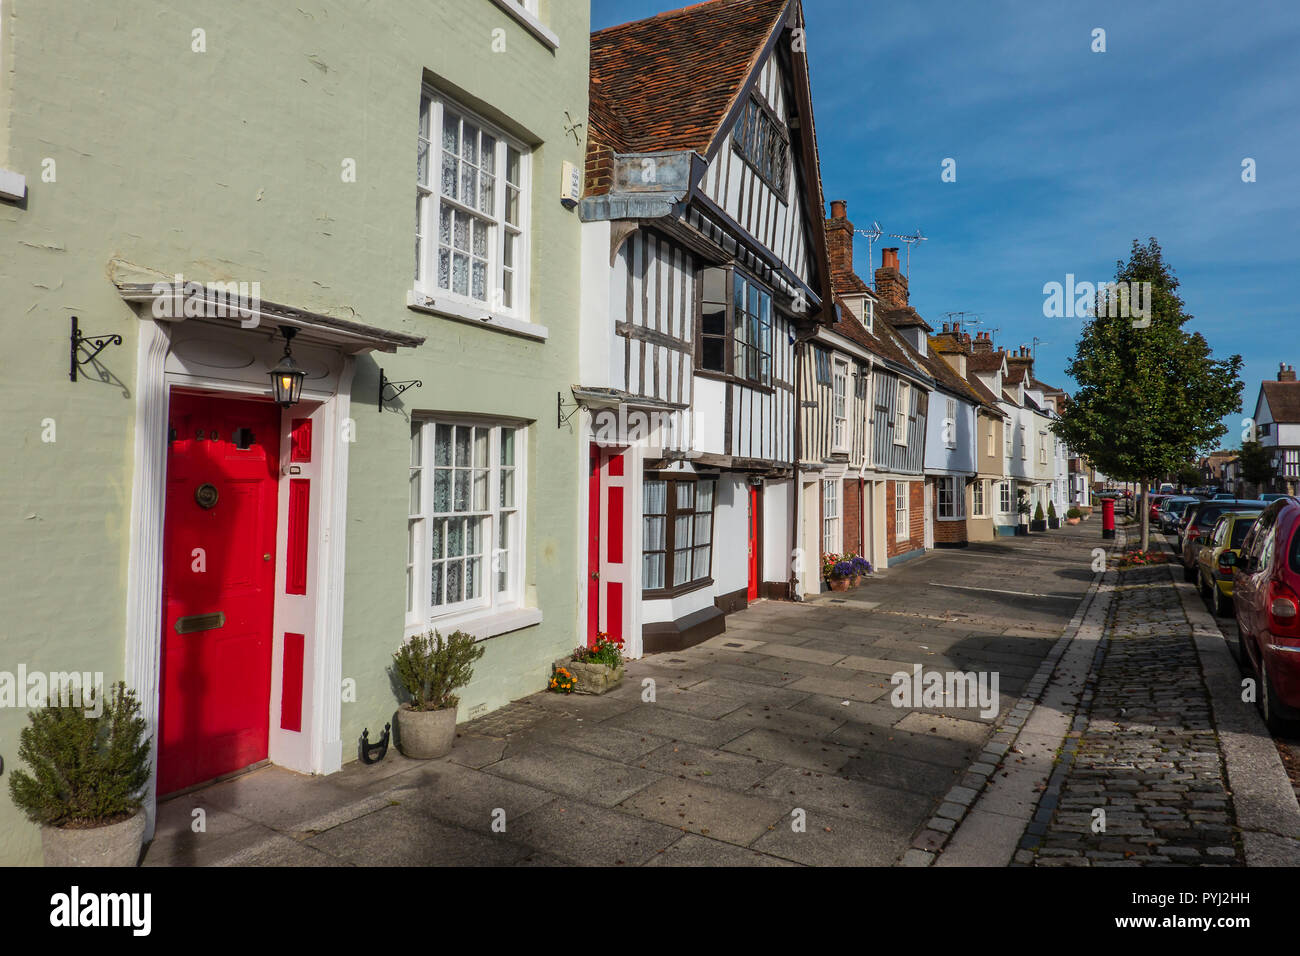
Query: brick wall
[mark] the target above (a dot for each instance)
(852, 511)
(916, 519)
(949, 532)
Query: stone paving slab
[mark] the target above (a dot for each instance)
(788, 710)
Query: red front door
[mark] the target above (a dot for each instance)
(593, 546)
(755, 511)
(218, 588)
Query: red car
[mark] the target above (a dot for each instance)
(1154, 501)
(1266, 593)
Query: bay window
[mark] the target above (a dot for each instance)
(471, 208)
(677, 537)
(977, 499)
(902, 512)
(735, 326)
(951, 501)
(465, 529)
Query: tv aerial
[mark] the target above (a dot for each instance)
(918, 237)
(871, 235)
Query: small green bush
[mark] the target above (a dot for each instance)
(430, 667)
(1038, 511)
(1051, 509)
(86, 770)
(1074, 513)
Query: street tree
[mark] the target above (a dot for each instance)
(1256, 464)
(1150, 394)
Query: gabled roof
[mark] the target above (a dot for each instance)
(1283, 401)
(855, 331)
(668, 81)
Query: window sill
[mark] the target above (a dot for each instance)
(544, 34)
(484, 625)
(675, 592)
(475, 315)
(954, 518)
(735, 380)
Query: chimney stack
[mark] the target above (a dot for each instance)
(1285, 373)
(891, 285)
(982, 343)
(839, 238)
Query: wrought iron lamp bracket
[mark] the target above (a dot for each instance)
(94, 344)
(397, 388)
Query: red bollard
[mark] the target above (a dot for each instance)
(1108, 517)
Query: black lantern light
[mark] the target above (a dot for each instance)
(287, 377)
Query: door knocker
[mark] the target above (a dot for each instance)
(206, 496)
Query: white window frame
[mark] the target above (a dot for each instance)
(902, 515)
(421, 612)
(951, 423)
(1042, 448)
(869, 314)
(979, 498)
(1008, 439)
(1006, 499)
(831, 540)
(947, 486)
(903, 405)
(990, 441)
(430, 201)
(1024, 442)
(840, 403)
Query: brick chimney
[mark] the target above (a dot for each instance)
(891, 285)
(983, 343)
(839, 238)
(1285, 373)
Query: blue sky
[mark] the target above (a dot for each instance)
(1064, 156)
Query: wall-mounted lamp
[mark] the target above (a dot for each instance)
(288, 376)
(97, 343)
(397, 387)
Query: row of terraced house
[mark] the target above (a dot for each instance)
(617, 374)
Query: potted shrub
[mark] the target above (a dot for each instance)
(429, 668)
(861, 568)
(1040, 520)
(87, 780)
(1022, 510)
(591, 670)
(1073, 516)
(1053, 521)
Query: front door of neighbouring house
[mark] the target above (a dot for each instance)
(755, 541)
(609, 570)
(223, 461)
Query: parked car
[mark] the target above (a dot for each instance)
(1155, 501)
(1223, 497)
(1266, 594)
(1198, 522)
(1273, 497)
(1171, 512)
(1214, 559)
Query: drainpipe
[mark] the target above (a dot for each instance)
(799, 345)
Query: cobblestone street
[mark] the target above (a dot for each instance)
(1145, 781)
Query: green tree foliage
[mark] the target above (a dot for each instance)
(1150, 394)
(86, 769)
(1189, 476)
(1256, 464)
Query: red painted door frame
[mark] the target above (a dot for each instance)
(219, 550)
(593, 544)
(755, 541)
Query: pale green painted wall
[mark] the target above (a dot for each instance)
(226, 165)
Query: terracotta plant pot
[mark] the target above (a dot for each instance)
(855, 580)
(115, 844)
(839, 584)
(425, 734)
(591, 678)
(1073, 520)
